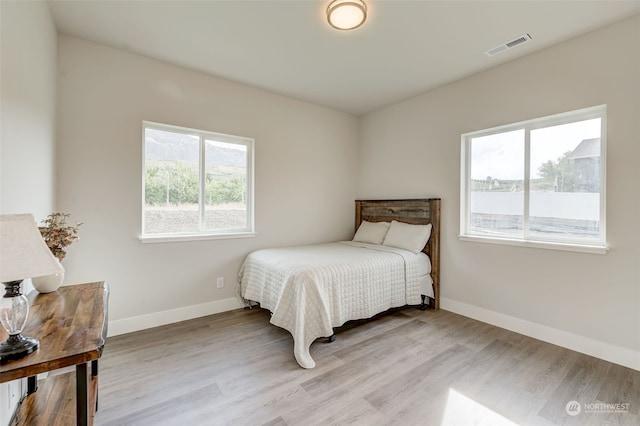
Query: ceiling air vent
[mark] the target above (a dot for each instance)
(508, 45)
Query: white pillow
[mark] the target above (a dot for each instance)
(408, 237)
(371, 232)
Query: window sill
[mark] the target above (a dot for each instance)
(193, 237)
(582, 248)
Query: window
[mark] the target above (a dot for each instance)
(196, 184)
(539, 182)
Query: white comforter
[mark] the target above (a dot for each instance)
(311, 289)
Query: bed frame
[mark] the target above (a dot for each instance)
(413, 211)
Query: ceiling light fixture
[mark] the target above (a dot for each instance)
(346, 14)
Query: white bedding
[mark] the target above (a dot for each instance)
(311, 289)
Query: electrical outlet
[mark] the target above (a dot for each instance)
(220, 282)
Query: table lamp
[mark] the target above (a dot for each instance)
(23, 254)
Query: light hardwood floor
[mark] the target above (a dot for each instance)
(403, 368)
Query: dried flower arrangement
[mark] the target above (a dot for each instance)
(58, 234)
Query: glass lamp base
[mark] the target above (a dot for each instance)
(17, 346)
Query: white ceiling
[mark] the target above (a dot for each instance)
(406, 47)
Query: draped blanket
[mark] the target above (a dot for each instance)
(312, 289)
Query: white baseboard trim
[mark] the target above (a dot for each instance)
(606, 351)
(156, 319)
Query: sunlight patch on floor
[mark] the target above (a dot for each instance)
(462, 411)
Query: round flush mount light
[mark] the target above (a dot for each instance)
(346, 14)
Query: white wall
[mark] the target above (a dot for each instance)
(585, 301)
(305, 156)
(27, 123)
(27, 126)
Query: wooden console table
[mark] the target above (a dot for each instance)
(71, 324)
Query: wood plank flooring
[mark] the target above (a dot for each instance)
(404, 368)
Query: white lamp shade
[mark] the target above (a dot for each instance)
(23, 252)
(346, 14)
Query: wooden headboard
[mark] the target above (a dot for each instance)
(413, 211)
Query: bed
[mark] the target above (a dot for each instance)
(312, 289)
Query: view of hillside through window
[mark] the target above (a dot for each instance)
(180, 198)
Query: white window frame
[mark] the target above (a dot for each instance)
(203, 135)
(598, 246)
